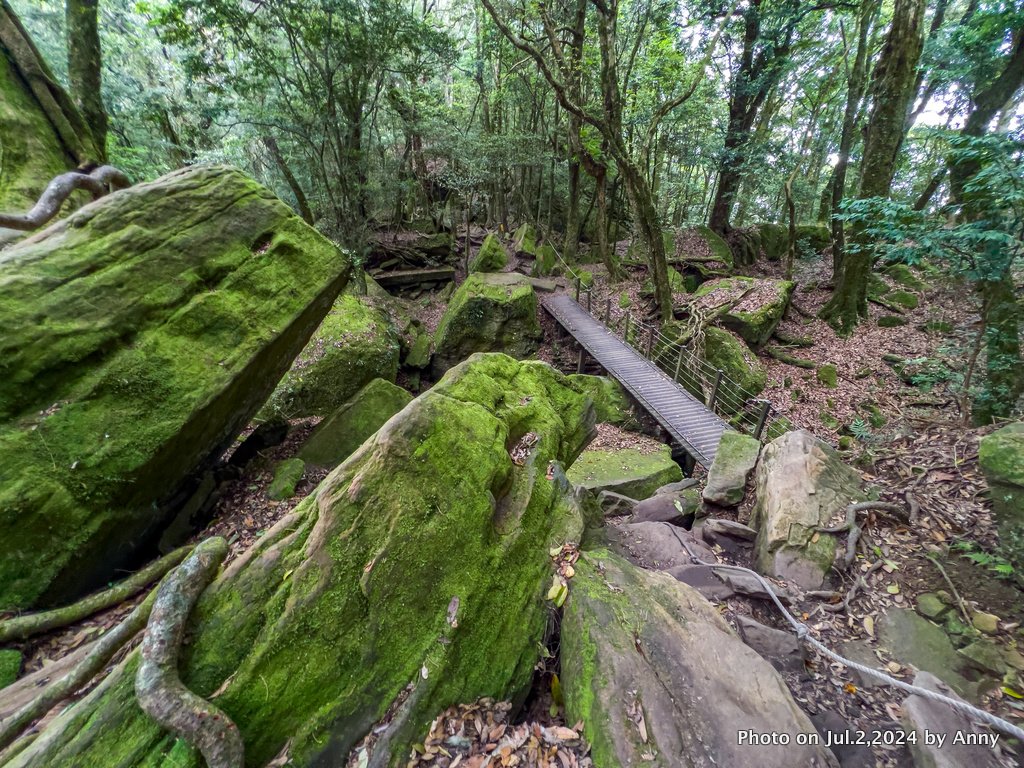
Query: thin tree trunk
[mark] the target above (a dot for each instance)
(85, 63)
(293, 184)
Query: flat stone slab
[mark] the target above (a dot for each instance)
(626, 471)
(656, 545)
(916, 641)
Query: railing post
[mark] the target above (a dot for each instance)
(679, 364)
(762, 418)
(650, 341)
(607, 311)
(714, 389)
(625, 333)
(577, 290)
(590, 296)
(580, 361)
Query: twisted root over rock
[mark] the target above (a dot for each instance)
(99, 182)
(160, 692)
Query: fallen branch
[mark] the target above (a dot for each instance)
(104, 179)
(793, 341)
(24, 627)
(784, 357)
(101, 653)
(858, 584)
(887, 305)
(956, 595)
(159, 690)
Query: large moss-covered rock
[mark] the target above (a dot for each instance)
(802, 485)
(734, 462)
(338, 436)
(757, 305)
(37, 141)
(611, 403)
(488, 313)
(355, 344)
(642, 647)
(491, 257)
(139, 337)
(744, 378)
(413, 578)
(1001, 457)
(626, 471)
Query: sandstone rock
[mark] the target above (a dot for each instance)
(802, 484)
(422, 560)
(626, 471)
(287, 475)
(931, 606)
(745, 375)
(615, 504)
(171, 310)
(732, 537)
(756, 316)
(657, 545)
(611, 403)
(919, 643)
(986, 656)
(355, 344)
(1001, 458)
(341, 433)
(678, 486)
(926, 716)
(491, 257)
(704, 579)
(985, 622)
(675, 508)
(695, 685)
(780, 649)
(844, 740)
(734, 463)
(490, 312)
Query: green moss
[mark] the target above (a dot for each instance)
(10, 666)
(546, 262)
(830, 421)
(744, 372)
(903, 299)
(287, 475)
(346, 429)
(754, 324)
(774, 240)
(720, 250)
(827, 376)
(491, 257)
(626, 471)
(818, 237)
(903, 275)
(624, 301)
(611, 403)
(355, 344)
(675, 284)
(1001, 458)
(139, 339)
(488, 313)
(525, 240)
(938, 326)
(847, 443)
(891, 321)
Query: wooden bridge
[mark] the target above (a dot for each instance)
(691, 423)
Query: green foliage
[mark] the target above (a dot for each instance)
(1001, 566)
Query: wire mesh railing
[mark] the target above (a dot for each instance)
(742, 409)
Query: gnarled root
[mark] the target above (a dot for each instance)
(99, 182)
(24, 627)
(853, 530)
(160, 692)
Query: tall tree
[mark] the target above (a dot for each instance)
(85, 64)
(892, 91)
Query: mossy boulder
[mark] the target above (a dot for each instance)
(524, 240)
(546, 262)
(676, 284)
(413, 578)
(638, 642)
(904, 299)
(417, 352)
(827, 376)
(140, 336)
(626, 471)
(817, 237)
(287, 476)
(611, 403)
(1001, 458)
(904, 276)
(356, 343)
(338, 436)
(489, 313)
(891, 321)
(802, 484)
(744, 378)
(717, 248)
(10, 666)
(758, 305)
(733, 465)
(491, 257)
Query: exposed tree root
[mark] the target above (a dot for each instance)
(160, 692)
(853, 530)
(792, 340)
(104, 179)
(858, 584)
(101, 653)
(24, 627)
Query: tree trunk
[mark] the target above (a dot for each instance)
(892, 90)
(85, 64)
(293, 184)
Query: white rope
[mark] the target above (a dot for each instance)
(803, 633)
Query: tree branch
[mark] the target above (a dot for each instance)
(104, 179)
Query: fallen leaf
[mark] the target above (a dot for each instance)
(869, 625)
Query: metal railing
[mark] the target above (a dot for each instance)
(743, 410)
